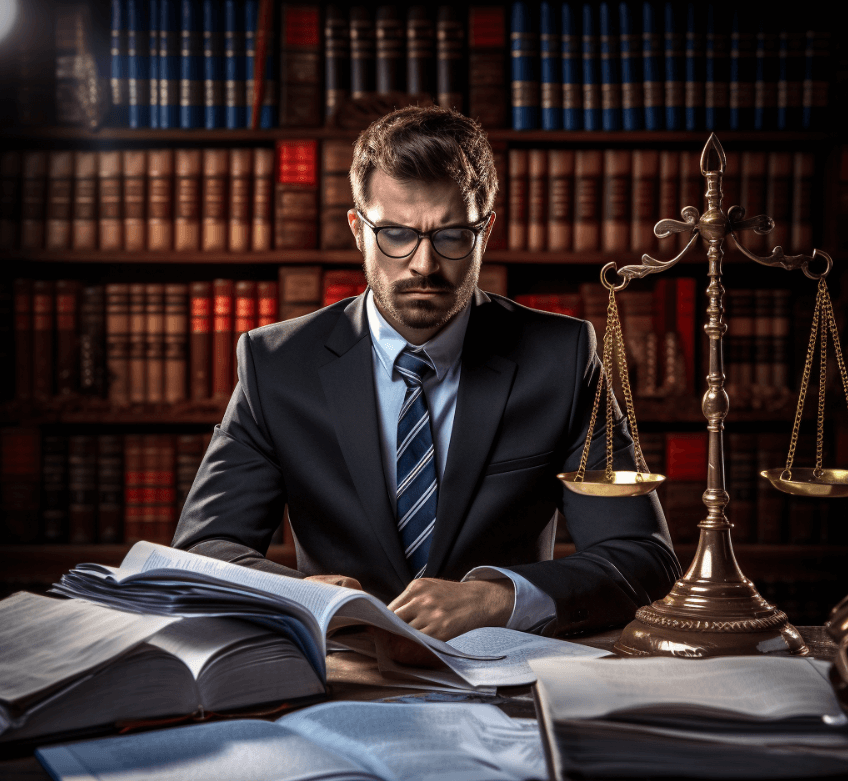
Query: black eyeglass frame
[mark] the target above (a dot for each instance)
(474, 227)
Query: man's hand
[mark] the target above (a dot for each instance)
(336, 580)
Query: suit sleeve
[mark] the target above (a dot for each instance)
(239, 495)
(624, 556)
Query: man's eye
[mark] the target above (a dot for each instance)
(398, 235)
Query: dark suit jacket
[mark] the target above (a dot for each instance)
(301, 428)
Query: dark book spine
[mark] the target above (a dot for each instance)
(42, 339)
(163, 507)
(537, 200)
(20, 481)
(133, 488)
(222, 338)
(54, 489)
(336, 58)
(191, 65)
(615, 230)
(592, 117)
(240, 194)
(790, 79)
(694, 95)
(450, 43)
(67, 341)
(717, 73)
(176, 342)
(781, 335)
(23, 339)
(118, 72)
(742, 70)
(138, 64)
(117, 342)
(674, 52)
(60, 199)
(525, 75)
(779, 197)
(804, 166)
(815, 89)
(362, 77)
(390, 50)
(421, 50)
(201, 340)
(652, 84)
(269, 111)
(301, 101)
(189, 453)
(572, 70)
(7, 339)
(169, 64)
(153, 61)
(336, 159)
(213, 66)
(610, 70)
(92, 341)
(632, 109)
(266, 303)
(498, 236)
(765, 78)
(487, 72)
(646, 168)
(137, 340)
(234, 66)
(587, 199)
(154, 342)
(110, 196)
(34, 200)
(84, 212)
(110, 488)
(10, 199)
(251, 25)
(551, 67)
(82, 489)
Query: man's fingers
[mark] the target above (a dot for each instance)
(337, 580)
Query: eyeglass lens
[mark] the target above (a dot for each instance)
(453, 243)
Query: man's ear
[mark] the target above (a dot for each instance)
(487, 231)
(353, 222)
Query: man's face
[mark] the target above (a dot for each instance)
(420, 293)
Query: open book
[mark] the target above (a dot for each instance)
(727, 717)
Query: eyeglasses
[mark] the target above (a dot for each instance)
(401, 241)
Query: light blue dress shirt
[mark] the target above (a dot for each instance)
(533, 608)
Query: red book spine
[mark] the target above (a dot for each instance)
(42, 339)
(20, 473)
(67, 344)
(341, 284)
(687, 327)
(245, 319)
(201, 340)
(266, 293)
(133, 481)
(23, 339)
(296, 202)
(164, 478)
(487, 80)
(222, 338)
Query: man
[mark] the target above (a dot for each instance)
(416, 431)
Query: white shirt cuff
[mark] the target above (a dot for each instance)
(533, 608)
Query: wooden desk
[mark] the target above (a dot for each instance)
(355, 677)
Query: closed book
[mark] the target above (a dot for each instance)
(67, 336)
(691, 189)
(487, 65)
(110, 488)
(164, 504)
(498, 236)
(301, 101)
(653, 85)
(296, 196)
(84, 212)
(537, 200)
(251, 24)
(200, 341)
(134, 507)
(340, 284)
(336, 159)
(222, 338)
(31, 92)
(119, 65)
(637, 321)
(592, 118)
(70, 22)
(337, 57)
(245, 313)
(109, 214)
(674, 51)
(138, 344)
(629, 42)
(82, 489)
(33, 200)
(188, 164)
(731, 181)
(176, 338)
(716, 72)
(262, 228)
(814, 98)
(189, 453)
(138, 64)
(550, 44)
(59, 199)
(615, 230)
(763, 339)
(118, 342)
(686, 326)
(300, 287)
(43, 308)
(362, 52)
(560, 199)
(149, 488)
(645, 201)
(191, 65)
(10, 199)
(216, 165)
(781, 349)
(20, 480)
(779, 197)
(669, 190)
(790, 79)
(391, 50)
(493, 278)
(753, 196)
(693, 97)
(240, 197)
(742, 72)
(213, 65)
(266, 41)
(134, 197)
(766, 76)
(266, 303)
(153, 62)
(739, 341)
(771, 504)
(169, 63)
(686, 470)
(54, 489)
(742, 482)
(160, 199)
(518, 199)
(92, 341)
(588, 168)
(23, 339)
(572, 68)
(610, 68)
(803, 171)
(235, 75)
(154, 332)
(450, 60)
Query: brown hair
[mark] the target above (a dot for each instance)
(428, 144)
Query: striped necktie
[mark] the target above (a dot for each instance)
(417, 485)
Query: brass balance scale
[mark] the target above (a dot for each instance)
(713, 610)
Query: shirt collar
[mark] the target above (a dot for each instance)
(444, 349)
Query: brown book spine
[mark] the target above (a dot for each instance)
(420, 51)
(781, 330)
(20, 478)
(59, 188)
(336, 198)
(84, 223)
(118, 342)
(149, 488)
(164, 498)
(189, 453)
(110, 488)
(92, 341)
(33, 200)
(340, 284)
(615, 234)
(691, 189)
(669, 191)
(537, 200)
(23, 339)
(487, 75)
(133, 487)
(450, 40)
(498, 236)
(753, 196)
(779, 197)
(803, 171)
(493, 278)
(187, 199)
(135, 196)
(137, 344)
(201, 340)
(241, 172)
(266, 303)
(560, 199)
(299, 286)
(154, 334)
(731, 181)
(42, 339)
(82, 489)
(296, 199)
(763, 340)
(301, 96)
(245, 313)
(110, 217)
(216, 164)
(54, 489)
(390, 50)
(336, 58)
(362, 80)
(588, 166)
(518, 199)
(222, 338)
(160, 199)
(176, 343)
(645, 208)
(67, 341)
(263, 200)
(10, 199)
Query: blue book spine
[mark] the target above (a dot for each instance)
(694, 97)
(674, 103)
(652, 85)
(191, 66)
(213, 66)
(814, 97)
(591, 84)
(153, 60)
(765, 79)
(632, 112)
(551, 68)
(251, 20)
(525, 68)
(118, 67)
(741, 75)
(572, 71)
(610, 78)
(716, 73)
(138, 64)
(234, 73)
(169, 65)
(269, 114)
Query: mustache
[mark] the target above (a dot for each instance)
(432, 282)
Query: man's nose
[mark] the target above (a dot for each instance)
(424, 260)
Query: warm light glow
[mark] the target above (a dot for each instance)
(8, 16)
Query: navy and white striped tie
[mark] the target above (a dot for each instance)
(417, 484)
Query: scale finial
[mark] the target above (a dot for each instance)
(713, 145)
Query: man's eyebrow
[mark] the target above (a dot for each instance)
(386, 223)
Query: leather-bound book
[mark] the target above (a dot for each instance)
(537, 200)
(134, 181)
(43, 307)
(133, 488)
(498, 236)
(518, 199)
(200, 341)
(110, 488)
(241, 173)
(766, 76)
(23, 339)
(803, 171)
(67, 340)
(669, 194)
(82, 489)
(109, 217)
(781, 349)
(779, 197)
(266, 303)
(790, 80)
(54, 488)
(215, 172)
(560, 199)
(187, 199)
(301, 99)
(493, 278)
(420, 51)
(362, 78)
(262, 228)
(150, 488)
(176, 342)
(33, 200)
(296, 198)
(716, 70)
(692, 187)
(340, 284)
(154, 354)
(336, 58)
(137, 319)
(592, 116)
(686, 470)
(164, 507)
(222, 338)
(763, 339)
(245, 313)
(299, 290)
(336, 159)
(390, 50)
(753, 197)
(742, 481)
(10, 199)
(20, 483)
(92, 341)
(189, 454)
(118, 342)
(450, 43)
(572, 67)
(645, 204)
(615, 233)
(742, 72)
(160, 199)
(588, 167)
(235, 65)
(731, 180)
(59, 199)
(84, 222)
(550, 74)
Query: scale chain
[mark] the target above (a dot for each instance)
(822, 383)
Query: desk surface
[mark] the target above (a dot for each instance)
(355, 677)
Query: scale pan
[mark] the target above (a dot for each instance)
(622, 483)
(833, 483)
